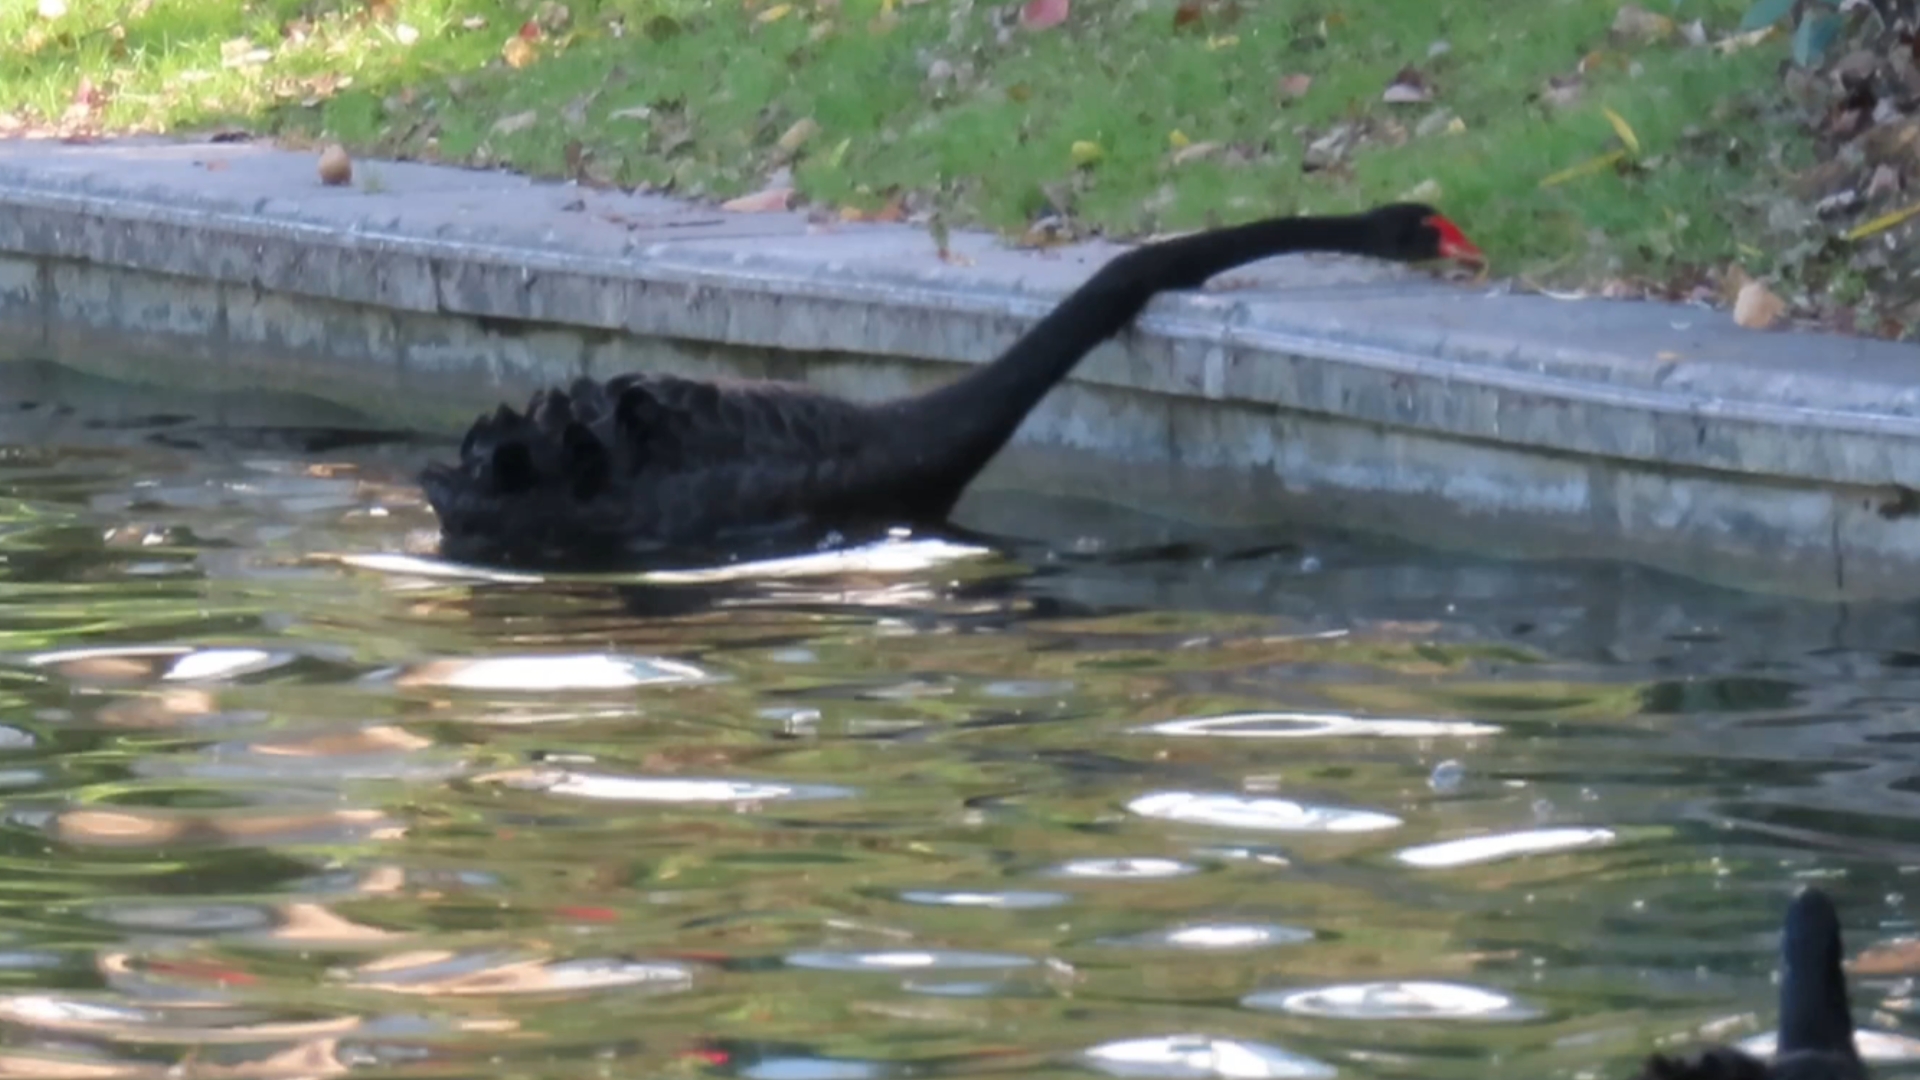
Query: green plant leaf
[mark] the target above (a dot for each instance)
(1765, 13)
(1815, 34)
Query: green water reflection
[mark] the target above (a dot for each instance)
(280, 803)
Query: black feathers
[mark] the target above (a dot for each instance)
(601, 471)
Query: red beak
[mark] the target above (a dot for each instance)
(1454, 243)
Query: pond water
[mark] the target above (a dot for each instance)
(283, 799)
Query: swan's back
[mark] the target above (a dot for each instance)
(602, 467)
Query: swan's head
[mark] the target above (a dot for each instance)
(1416, 232)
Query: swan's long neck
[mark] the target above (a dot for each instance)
(1814, 1010)
(958, 428)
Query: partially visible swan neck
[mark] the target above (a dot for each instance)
(966, 422)
(1815, 1013)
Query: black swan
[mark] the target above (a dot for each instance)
(1816, 1022)
(603, 472)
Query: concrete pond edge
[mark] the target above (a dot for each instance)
(1436, 428)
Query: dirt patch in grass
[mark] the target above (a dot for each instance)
(1590, 147)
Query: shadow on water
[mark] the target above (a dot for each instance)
(284, 797)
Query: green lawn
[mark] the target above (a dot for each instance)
(1132, 116)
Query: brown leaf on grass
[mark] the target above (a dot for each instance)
(518, 122)
(1885, 181)
(1293, 87)
(1408, 87)
(1427, 191)
(519, 51)
(1049, 231)
(1041, 14)
(1562, 90)
(796, 136)
(552, 16)
(1196, 15)
(1601, 58)
(760, 202)
(1434, 123)
(1196, 152)
(579, 158)
(1637, 24)
(87, 95)
(894, 210)
(1331, 148)
(1756, 307)
(335, 167)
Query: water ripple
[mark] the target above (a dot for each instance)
(1304, 725)
(1412, 1000)
(1495, 847)
(1201, 1057)
(666, 789)
(1233, 811)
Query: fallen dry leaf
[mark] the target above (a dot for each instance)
(1733, 43)
(1562, 90)
(1049, 231)
(1885, 181)
(1188, 13)
(1196, 152)
(1425, 191)
(894, 210)
(1635, 23)
(518, 51)
(760, 202)
(774, 13)
(508, 125)
(1881, 224)
(1328, 150)
(1585, 168)
(1293, 87)
(1622, 129)
(797, 135)
(336, 168)
(553, 16)
(1408, 87)
(1041, 14)
(1756, 308)
(1601, 58)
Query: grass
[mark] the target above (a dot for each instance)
(951, 105)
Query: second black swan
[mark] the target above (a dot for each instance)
(604, 472)
(1816, 1022)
